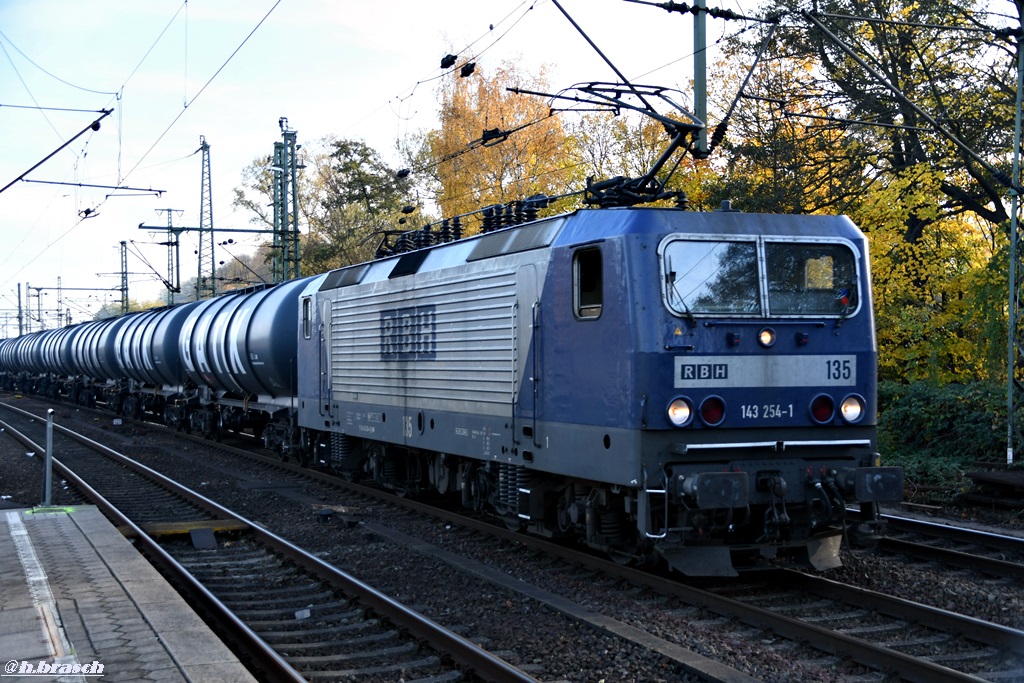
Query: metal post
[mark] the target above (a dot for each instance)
(700, 73)
(280, 242)
(1012, 312)
(124, 278)
(48, 482)
(206, 280)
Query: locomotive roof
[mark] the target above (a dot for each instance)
(589, 225)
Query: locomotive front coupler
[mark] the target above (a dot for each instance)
(871, 484)
(777, 523)
(831, 508)
(710, 490)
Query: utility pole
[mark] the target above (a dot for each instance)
(700, 74)
(173, 282)
(124, 277)
(39, 303)
(1014, 390)
(206, 280)
(21, 314)
(286, 206)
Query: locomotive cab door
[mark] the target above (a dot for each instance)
(324, 329)
(527, 357)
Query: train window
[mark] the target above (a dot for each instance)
(307, 317)
(587, 288)
(711, 276)
(810, 279)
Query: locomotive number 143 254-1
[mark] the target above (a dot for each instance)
(766, 411)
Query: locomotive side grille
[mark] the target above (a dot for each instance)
(449, 342)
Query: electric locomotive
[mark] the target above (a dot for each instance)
(695, 386)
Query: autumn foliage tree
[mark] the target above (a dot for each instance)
(818, 130)
(932, 295)
(493, 146)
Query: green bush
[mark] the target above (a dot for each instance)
(935, 432)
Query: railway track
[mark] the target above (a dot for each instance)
(989, 554)
(996, 485)
(296, 617)
(883, 633)
(818, 623)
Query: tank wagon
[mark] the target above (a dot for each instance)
(228, 363)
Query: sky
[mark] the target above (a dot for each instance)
(172, 71)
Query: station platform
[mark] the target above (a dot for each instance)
(79, 603)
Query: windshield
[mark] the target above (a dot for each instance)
(810, 279)
(790, 278)
(712, 277)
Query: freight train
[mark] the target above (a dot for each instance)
(657, 383)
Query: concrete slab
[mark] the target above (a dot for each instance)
(75, 592)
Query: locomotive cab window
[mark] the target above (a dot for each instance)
(307, 317)
(810, 279)
(711, 276)
(757, 277)
(587, 283)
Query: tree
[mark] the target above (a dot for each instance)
(257, 192)
(957, 75)
(777, 157)
(356, 198)
(493, 146)
(846, 143)
(347, 196)
(603, 145)
(930, 294)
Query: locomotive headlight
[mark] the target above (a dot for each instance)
(680, 412)
(766, 337)
(852, 408)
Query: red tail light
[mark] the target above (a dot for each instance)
(712, 411)
(822, 408)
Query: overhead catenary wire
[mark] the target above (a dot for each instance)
(53, 76)
(159, 138)
(137, 168)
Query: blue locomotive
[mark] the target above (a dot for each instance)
(654, 381)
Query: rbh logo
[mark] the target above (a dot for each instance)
(408, 333)
(698, 371)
